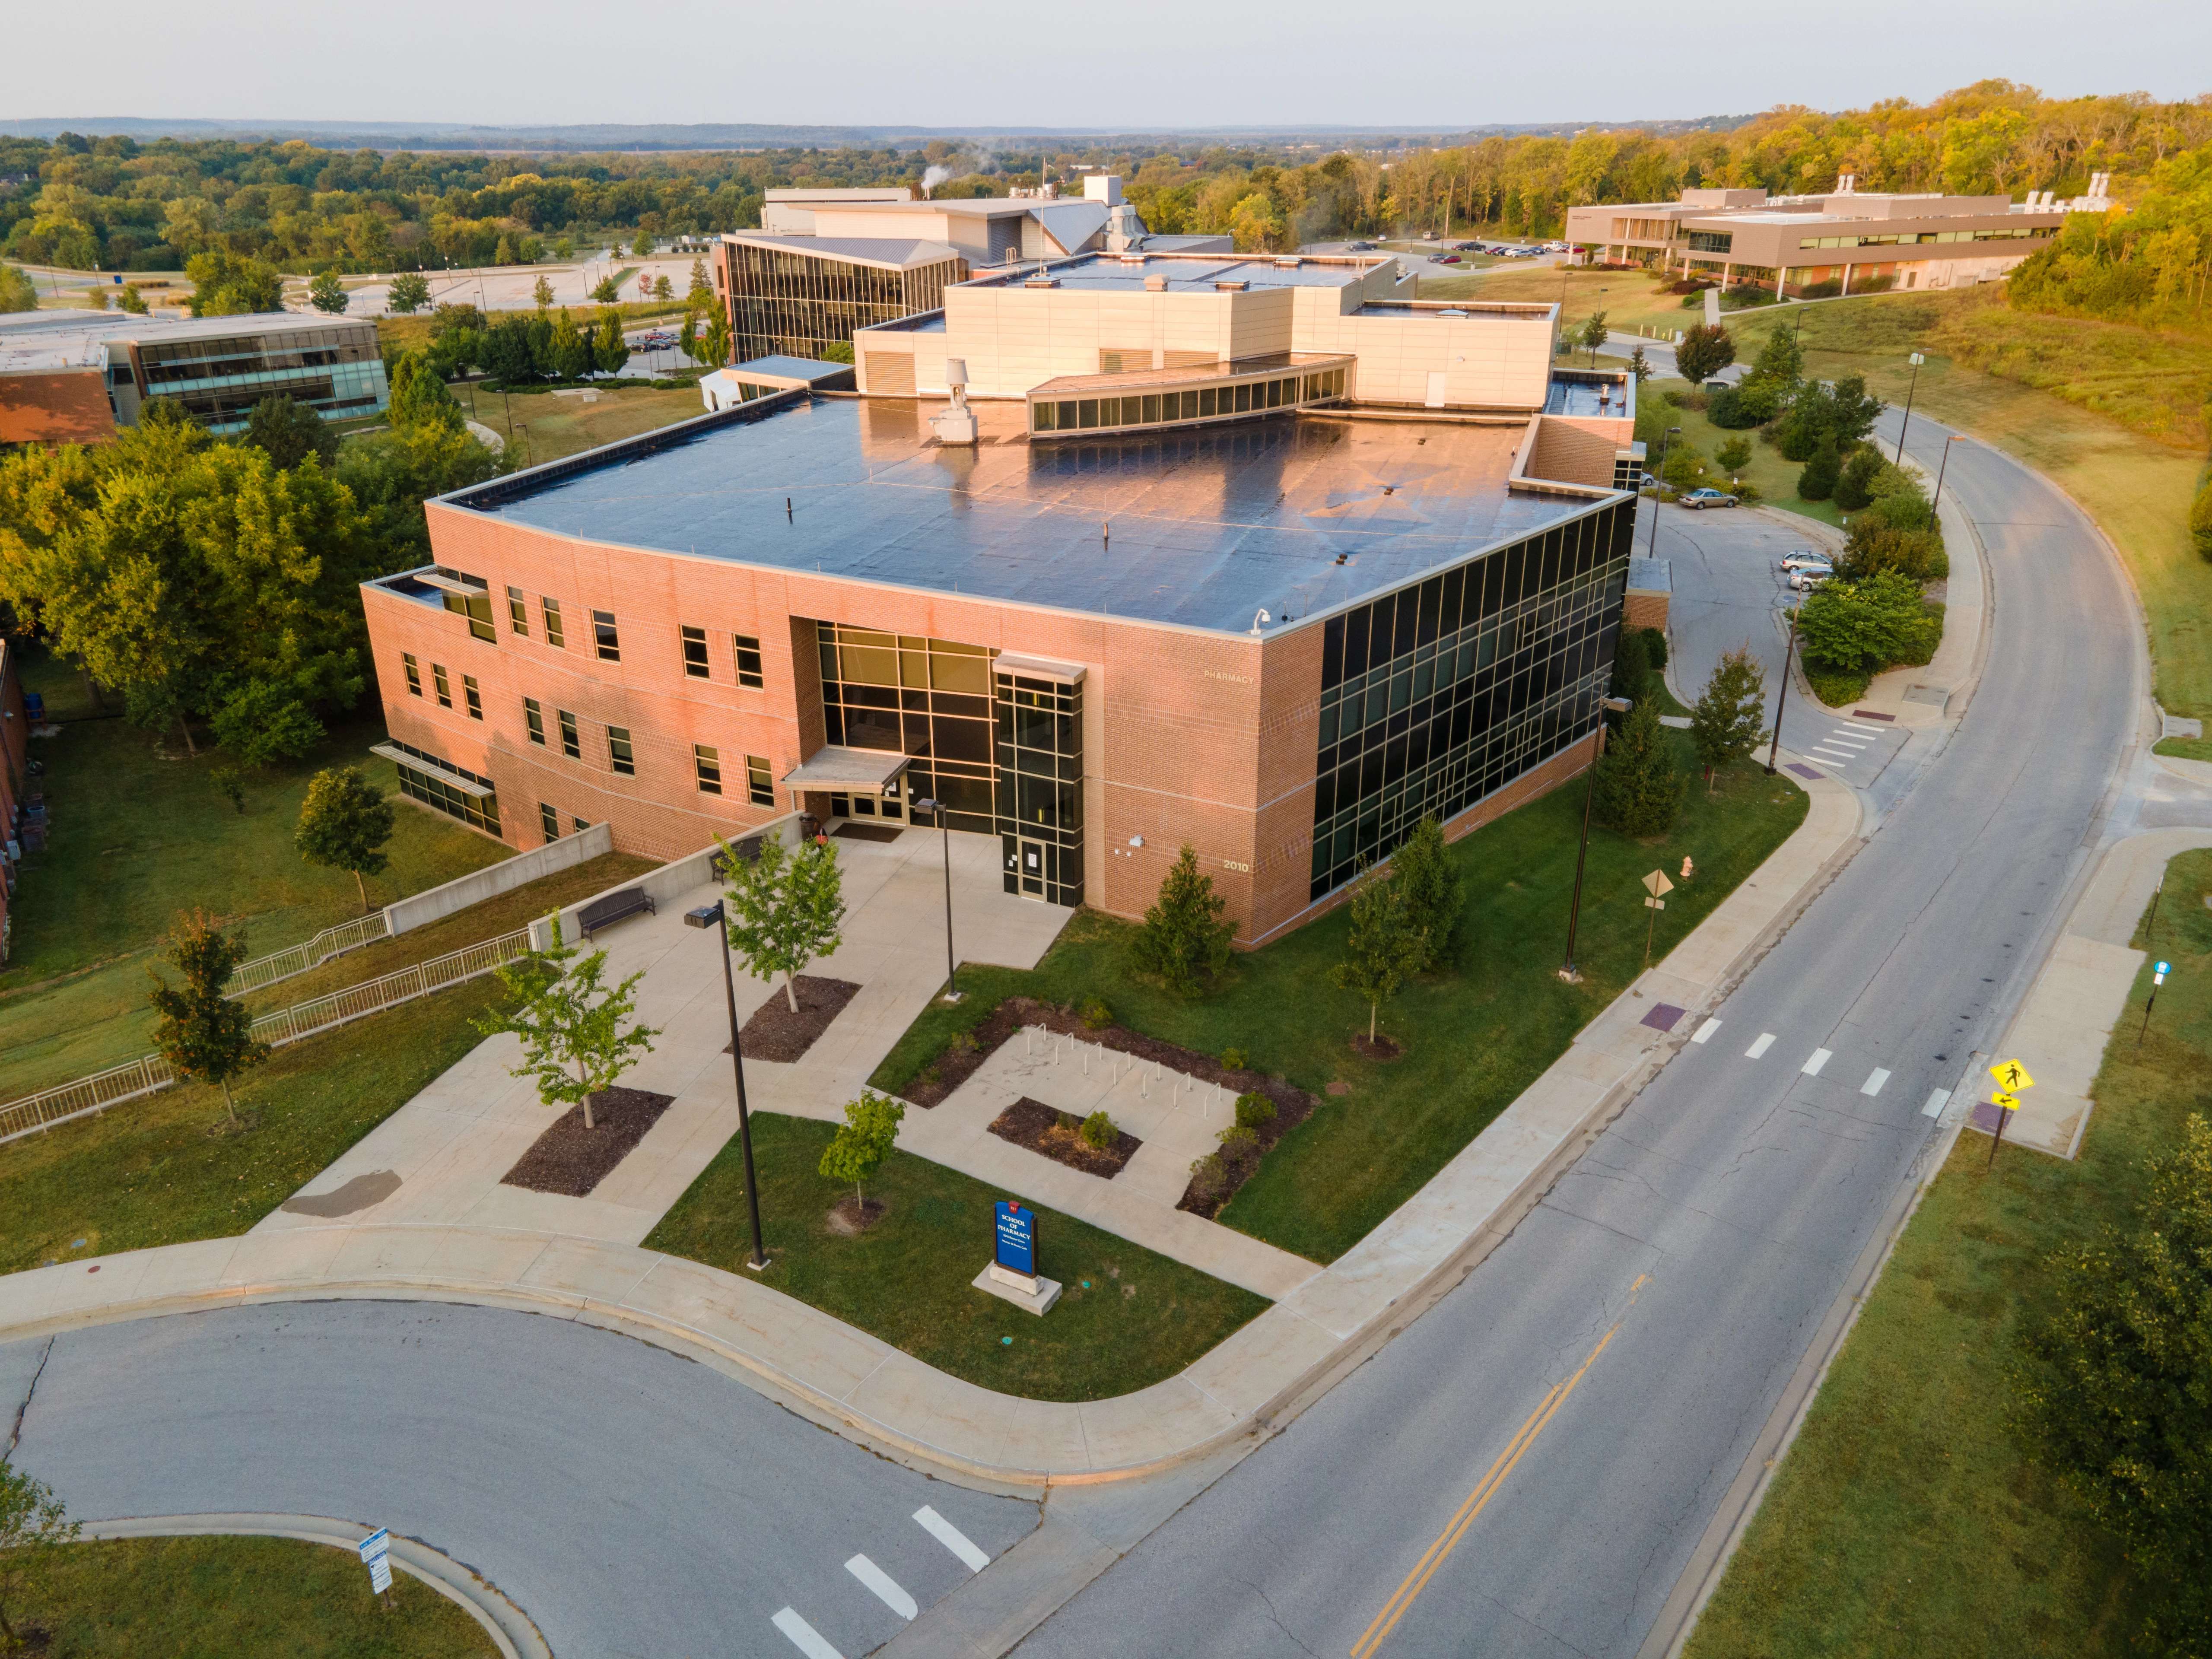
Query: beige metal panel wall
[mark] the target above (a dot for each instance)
(1014, 337)
(1259, 320)
(1487, 361)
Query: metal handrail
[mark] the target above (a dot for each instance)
(151, 1073)
(265, 971)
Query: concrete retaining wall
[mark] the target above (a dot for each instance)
(503, 877)
(669, 882)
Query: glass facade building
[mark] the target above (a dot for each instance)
(789, 303)
(928, 699)
(1439, 694)
(333, 367)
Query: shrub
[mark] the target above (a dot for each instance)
(1744, 490)
(1234, 1060)
(1434, 894)
(1253, 1109)
(2200, 521)
(1098, 1131)
(1855, 483)
(1096, 1016)
(1862, 625)
(1632, 664)
(1917, 638)
(1828, 290)
(1874, 547)
(1734, 455)
(1239, 1137)
(1209, 1178)
(1183, 938)
(1818, 481)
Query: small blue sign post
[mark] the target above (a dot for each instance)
(1015, 1249)
(2158, 971)
(376, 1556)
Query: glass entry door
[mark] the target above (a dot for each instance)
(1032, 870)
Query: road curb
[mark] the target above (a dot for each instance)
(512, 1630)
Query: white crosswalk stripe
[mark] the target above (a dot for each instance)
(1936, 1102)
(1843, 734)
(887, 1589)
(804, 1637)
(951, 1537)
(1812, 1067)
(1765, 1042)
(1831, 755)
(1704, 1033)
(1876, 1079)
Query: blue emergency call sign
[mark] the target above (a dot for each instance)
(1016, 1236)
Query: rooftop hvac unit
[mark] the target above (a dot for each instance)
(1156, 282)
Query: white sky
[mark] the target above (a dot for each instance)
(1132, 66)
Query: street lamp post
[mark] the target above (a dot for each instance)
(1782, 697)
(1605, 705)
(714, 916)
(1905, 424)
(1940, 471)
(944, 828)
(1659, 482)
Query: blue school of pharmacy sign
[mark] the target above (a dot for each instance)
(1016, 1244)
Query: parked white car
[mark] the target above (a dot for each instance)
(1804, 558)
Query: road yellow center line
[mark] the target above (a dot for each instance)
(1372, 1638)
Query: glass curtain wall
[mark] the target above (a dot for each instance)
(792, 304)
(926, 699)
(337, 370)
(1040, 786)
(1440, 694)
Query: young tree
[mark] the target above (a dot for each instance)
(1779, 363)
(343, 825)
(34, 1525)
(504, 253)
(862, 1142)
(419, 395)
(607, 291)
(1639, 786)
(662, 288)
(542, 292)
(1733, 455)
(568, 352)
(1183, 938)
(643, 245)
(1631, 665)
(785, 908)
(205, 1035)
(1855, 483)
(127, 298)
(17, 291)
(610, 351)
(2114, 1388)
(700, 295)
(1731, 717)
(575, 1041)
(1593, 335)
(288, 432)
(1433, 892)
(408, 293)
(714, 343)
(1383, 948)
(1639, 366)
(1704, 351)
(687, 337)
(327, 294)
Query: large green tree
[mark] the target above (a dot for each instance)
(408, 293)
(288, 432)
(1704, 351)
(224, 286)
(345, 823)
(1638, 786)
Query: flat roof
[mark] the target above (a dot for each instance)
(78, 339)
(1189, 273)
(789, 369)
(1192, 527)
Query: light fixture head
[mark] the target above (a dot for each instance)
(705, 916)
(1136, 841)
(1617, 705)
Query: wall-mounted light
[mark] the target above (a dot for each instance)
(1136, 841)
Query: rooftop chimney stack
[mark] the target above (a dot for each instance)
(955, 425)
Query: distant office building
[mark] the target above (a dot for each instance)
(1248, 554)
(216, 367)
(764, 377)
(791, 212)
(1846, 237)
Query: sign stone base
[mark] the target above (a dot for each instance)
(1035, 1295)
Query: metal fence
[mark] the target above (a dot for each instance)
(146, 1076)
(265, 971)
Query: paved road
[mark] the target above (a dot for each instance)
(631, 1502)
(1602, 1375)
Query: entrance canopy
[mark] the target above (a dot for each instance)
(836, 768)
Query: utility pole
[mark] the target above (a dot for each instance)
(1605, 706)
(1944, 468)
(1904, 426)
(1782, 697)
(1658, 483)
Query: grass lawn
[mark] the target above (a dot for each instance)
(1769, 471)
(150, 1171)
(560, 425)
(1476, 1035)
(1630, 300)
(2110, 429)
(86, 1022)
(1906, 1518)
(240, 1598)
(1126, 1319)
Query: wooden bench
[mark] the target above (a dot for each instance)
(748, 852)
(611, 907)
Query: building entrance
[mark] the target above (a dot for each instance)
(1029, 874)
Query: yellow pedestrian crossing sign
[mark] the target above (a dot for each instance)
(2010, 1102)
(2011, 1075)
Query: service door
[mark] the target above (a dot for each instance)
(1032, 872)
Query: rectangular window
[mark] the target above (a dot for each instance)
(552, 610)
(474, 697)
(518, 613)
(549, 821)
(605, 637)
(694, 652)
(578, 825)
(749, 661)
(708, 764)
(534, 718)
(760, 788)
(620, 756)
(476, 607)
(414, 674)
(438, 679)
(570, 745)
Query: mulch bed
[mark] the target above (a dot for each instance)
(775, 1033)
(1381, 1047)
(571, 1160)
(848, 1218)
(1046, 1129)
(954, 1066)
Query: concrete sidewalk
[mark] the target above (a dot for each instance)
(2067, 1018)
(852, 1382)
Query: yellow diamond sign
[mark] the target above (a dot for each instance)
(2011, 1075)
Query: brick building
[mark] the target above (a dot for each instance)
(1278, 628)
